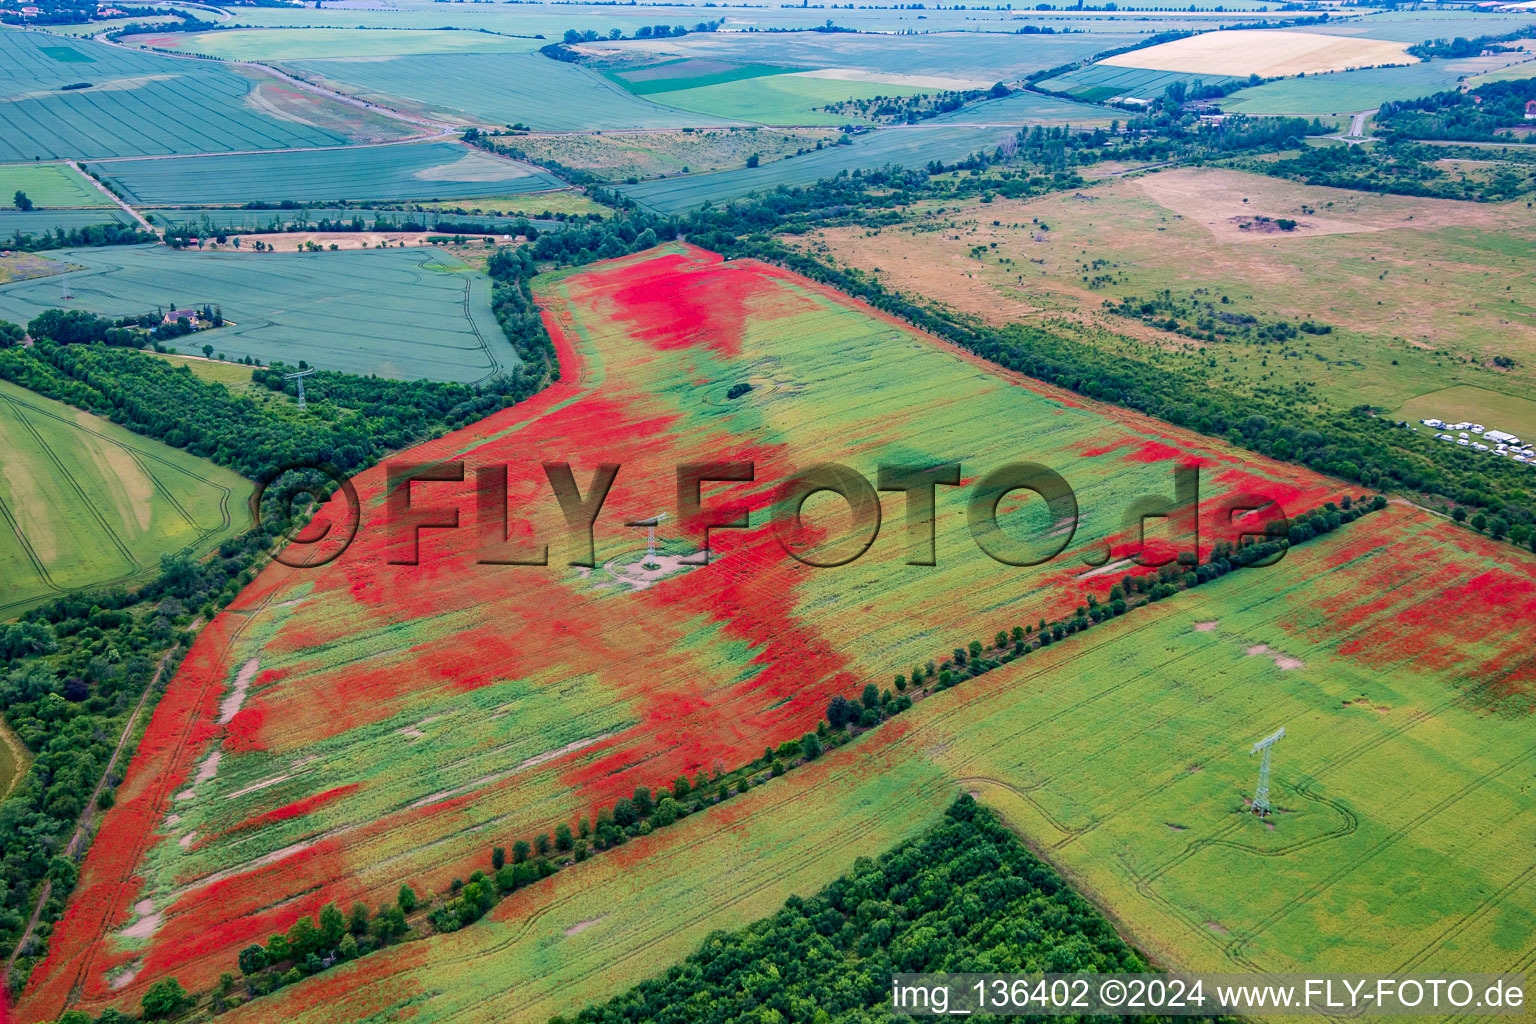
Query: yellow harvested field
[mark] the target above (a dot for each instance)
(1267, 53)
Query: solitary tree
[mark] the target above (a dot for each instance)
(164, 999)
(21, 201)
(407, 899)
(252, 960)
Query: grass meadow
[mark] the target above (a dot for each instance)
(403, 313)
(1121, 757)
(1420, 293)
(439, 707)
(87, 504)
(51, 185)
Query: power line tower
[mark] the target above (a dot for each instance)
(299, 377)
(650, 542)
(1261, 795)
(64, 285)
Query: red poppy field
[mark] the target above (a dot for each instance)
(1400, 842)
(343, 729)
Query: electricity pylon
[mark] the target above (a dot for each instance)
(299, 377)
(1261, 795)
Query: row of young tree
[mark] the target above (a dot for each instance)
(90, 236)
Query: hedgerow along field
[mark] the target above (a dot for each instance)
(414, 171)
(85, 503)
(137, 104)
(409, 314)
(1401, 282)
(1121, 757)
(345, 729)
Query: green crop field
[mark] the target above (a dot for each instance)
(85, 503)
(670, 76)
(308, 43)
(1024, 108)
(137, 104)
(1402, 282)
(434, 170)
(782, 99)
(1342, 92)
(1099, 82)
(1121, 756)
(50, 185)
(405, 313)
(499, 89)
(908, 147)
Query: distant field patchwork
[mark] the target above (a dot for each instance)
(437, 170)
(1097, 83)
(1348, 91)
(906, 147)
(1121, 756)
(86, 503)
(303, 44)
(499, 89)
(458, 701)
(135, 104)
(405, 313)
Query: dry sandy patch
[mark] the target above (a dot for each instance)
(1264, 52)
